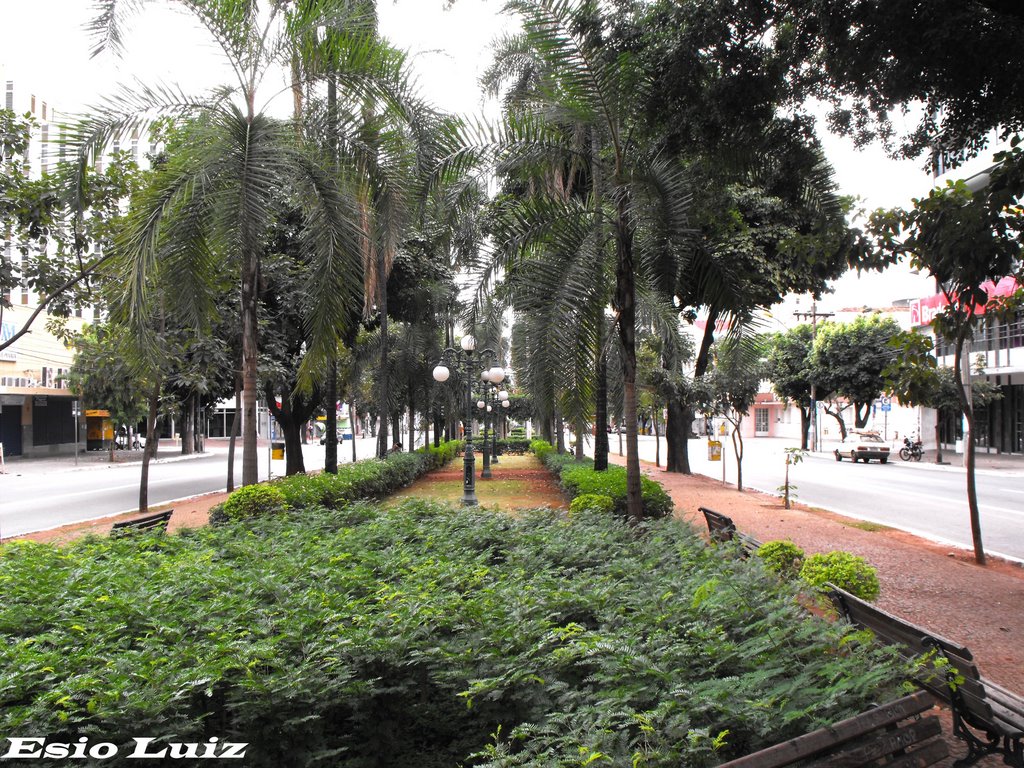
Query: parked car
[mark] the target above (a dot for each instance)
(863, 446)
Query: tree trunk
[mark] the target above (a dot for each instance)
(677, 457)
(236, 424)
(188, 432)
(250, 360)
(625, 304)
(601, 412)
(938, 437)
(412, 421)
(559, 433)
(152, 441)
(969, 455)
(805, 426)
(331, 424)
(737, 446)
(353, 418)
(657, 442)
(581, 429)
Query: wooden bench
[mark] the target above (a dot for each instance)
(864, 740)
(986, 716)
(157, 521)
(721, 528)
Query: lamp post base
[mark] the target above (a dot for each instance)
(469, 477)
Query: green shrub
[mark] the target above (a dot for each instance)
(782, 557)
(541, 448)
(252, 501)
(843, 569)
(579, 478)
(592, 502)
(514, 446)
(368, 479)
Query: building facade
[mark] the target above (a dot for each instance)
(38, 413)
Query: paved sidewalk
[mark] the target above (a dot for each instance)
(167, 451)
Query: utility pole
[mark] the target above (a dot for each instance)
(814, 314)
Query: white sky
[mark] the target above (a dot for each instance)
(43, 47)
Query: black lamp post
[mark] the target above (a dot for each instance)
(465, 361)
(488, 406)
(498, 399)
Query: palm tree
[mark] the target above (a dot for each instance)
(586, 86)
(214, 200)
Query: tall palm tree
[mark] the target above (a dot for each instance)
(585, 84)
(215, 198)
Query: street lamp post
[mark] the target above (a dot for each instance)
(464, 361)
(500, 399)
(488, 405)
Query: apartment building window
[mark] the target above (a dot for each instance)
(24, 281)
(32, 108)
(44, 135)
(9, 99)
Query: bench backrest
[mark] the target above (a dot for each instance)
(720, 527)
(970, 691)
(863, 739)
(158, 520)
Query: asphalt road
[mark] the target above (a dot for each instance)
(920, 498)
(36, 496)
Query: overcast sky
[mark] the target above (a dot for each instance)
(43, 46)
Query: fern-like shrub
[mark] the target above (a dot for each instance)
(782, 557)
(843, 569)
(423, 635)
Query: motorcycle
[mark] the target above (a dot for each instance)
(911, 450)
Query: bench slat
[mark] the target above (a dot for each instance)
(157, 520)
(823, 739)
(888, 743)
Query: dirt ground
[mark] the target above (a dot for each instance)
(932, 585)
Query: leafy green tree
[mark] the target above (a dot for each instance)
(105, 375)
(961, 97)
(790, 368)
(765, 217)
(963, 240)
(915, 378)
(849, 359)
(733, 385)
(62, 224)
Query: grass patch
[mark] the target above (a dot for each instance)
(517, 482)
(864, 525)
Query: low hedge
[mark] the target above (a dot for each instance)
(368, 479)
(580, 477)
(513, 446)
(421, 635)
